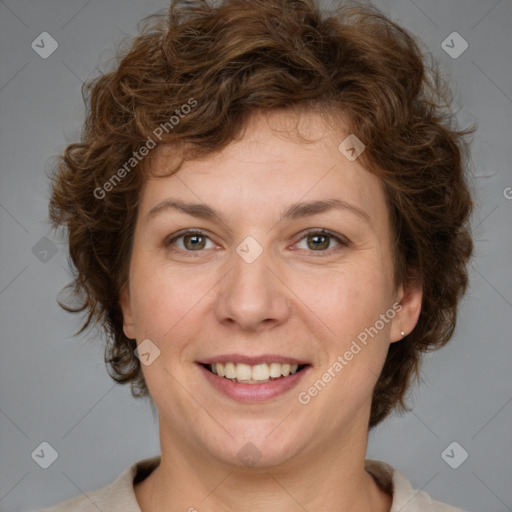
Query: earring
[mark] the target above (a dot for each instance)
(402, 333)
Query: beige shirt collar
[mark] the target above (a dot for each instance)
(120, 496)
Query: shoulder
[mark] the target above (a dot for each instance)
(117, 496)
(405, 497)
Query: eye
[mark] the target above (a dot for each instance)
(319, 240)
(193, 240)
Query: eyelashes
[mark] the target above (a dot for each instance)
(185, 233)
(321, 235)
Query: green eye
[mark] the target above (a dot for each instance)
(192, 240)
(320, 240)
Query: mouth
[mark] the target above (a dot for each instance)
(253, 379)
(262, 373)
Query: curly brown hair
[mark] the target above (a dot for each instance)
(229, 61)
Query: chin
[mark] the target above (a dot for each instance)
(257, 444)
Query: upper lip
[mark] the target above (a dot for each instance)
(252, 360)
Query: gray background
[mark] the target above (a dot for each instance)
(54, 387)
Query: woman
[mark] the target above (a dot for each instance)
(268, 214)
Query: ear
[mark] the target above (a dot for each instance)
(126, 308)
(410, 298)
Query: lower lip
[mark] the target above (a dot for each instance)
(253, 392)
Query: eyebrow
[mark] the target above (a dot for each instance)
(294, 211)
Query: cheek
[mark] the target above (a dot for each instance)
(356, 341)
(347, 300)
(349, 303)
(167, 301)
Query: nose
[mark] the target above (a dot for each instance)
(252, 297)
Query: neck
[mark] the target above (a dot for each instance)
(330, 478)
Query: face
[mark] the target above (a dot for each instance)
(288, 274)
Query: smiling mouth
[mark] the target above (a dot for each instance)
(254, 374)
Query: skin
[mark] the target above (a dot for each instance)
(198, 303)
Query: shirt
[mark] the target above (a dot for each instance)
(120, 496)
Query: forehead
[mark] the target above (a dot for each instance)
(270, 166)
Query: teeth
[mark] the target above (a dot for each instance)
(230, 371)
(243, 372)
(275, 370)
(260, 372)
(253, 374)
